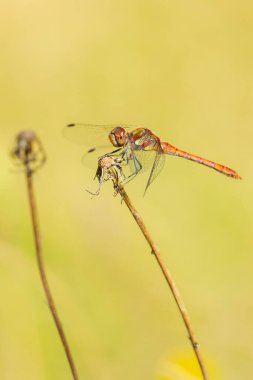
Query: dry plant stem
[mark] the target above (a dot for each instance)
(43, 273)
(169, 279)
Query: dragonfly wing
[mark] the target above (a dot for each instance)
(89, 134)
(91, 156)
(151, 155)
(144, 151)
(141, 161)
(156, 168)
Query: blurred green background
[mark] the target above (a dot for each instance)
(184, 70)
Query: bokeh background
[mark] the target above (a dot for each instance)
(184, 70)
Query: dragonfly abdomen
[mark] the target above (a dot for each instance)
(169, 149)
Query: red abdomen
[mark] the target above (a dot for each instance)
(169, 149)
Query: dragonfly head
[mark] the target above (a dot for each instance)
(118, 137)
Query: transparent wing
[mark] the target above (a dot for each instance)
(91, 156)
(142, 161)
(90, 134)
(156, 168)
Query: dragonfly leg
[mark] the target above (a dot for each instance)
(137, 168)
(109, 154)
(137, 162)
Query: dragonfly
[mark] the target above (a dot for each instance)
(134, 145)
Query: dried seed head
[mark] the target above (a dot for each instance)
(27, 151)
(109, 168)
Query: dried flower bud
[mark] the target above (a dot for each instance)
(28, 151)
(109, 168)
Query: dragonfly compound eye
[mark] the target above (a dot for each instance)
(118, 136)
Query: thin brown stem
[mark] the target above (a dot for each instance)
(155, 250)
(42, 272)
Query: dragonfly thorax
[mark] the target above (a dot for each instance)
(118, 137)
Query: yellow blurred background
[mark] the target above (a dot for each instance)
(184, 70)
